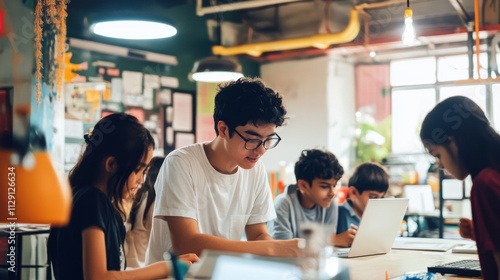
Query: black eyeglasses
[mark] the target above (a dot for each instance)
(252, 144)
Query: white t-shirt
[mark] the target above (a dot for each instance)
(188, 186)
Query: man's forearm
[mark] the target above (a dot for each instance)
(263, 236)
(199, 242)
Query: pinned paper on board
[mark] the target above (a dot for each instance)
(183, 139)
(132, 88)
(83, 100)
(183, 112)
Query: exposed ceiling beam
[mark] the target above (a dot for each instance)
(201, 11)
(378, 5)
(461, 12)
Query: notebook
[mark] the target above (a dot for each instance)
(378, 228)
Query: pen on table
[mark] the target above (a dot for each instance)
(175, 267)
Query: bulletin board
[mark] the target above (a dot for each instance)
(145, 89)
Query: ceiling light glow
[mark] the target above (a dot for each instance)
(216, 76)
(134, 29)
(409, 35)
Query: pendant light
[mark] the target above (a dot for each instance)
(409, 32)
(216, 69)
(133, 29)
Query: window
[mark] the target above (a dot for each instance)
(495, 100)
(476, 93)
(415, 91)
(453, 68)
(409, 108)
(418, 71)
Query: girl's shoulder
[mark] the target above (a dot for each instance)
(489, 177)
(89, 195)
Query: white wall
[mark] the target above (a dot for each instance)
(341, 101)
(319, 97)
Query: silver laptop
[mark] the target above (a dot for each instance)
(219, 265)
(378, 229)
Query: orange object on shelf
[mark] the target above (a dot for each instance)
(33, 196)
(272, 183)
(342, 194)
(281, 186)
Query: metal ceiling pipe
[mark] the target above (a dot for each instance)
(378, 5)
(320, 41)
(201, 11)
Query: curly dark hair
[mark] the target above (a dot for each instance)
(318, 164)
(247, 100)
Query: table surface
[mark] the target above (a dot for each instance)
(399, 262)
(25, 229)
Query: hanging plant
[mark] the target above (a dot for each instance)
(50, 41)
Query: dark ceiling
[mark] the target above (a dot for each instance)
(191, 36)
(271, 22)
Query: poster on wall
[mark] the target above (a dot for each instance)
(183, 112)
(83, 101)
(183, 139)
(132, 88)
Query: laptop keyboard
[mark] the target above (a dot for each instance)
(469, 268)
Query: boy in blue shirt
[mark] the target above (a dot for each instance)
(312, 198)
(370, 180)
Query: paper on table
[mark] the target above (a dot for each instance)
(465, 249)
(409, 244)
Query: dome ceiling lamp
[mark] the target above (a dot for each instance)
(216, 69)
(133, 27)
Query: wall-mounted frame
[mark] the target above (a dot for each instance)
(178, 113)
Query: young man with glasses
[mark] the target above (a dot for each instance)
(211, 194)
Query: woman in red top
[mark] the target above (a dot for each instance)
(458, 134)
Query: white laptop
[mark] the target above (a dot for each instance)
(219, 265)
(378, 228)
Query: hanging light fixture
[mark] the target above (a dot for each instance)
(409, 32)
(132, 27)
(216, 69)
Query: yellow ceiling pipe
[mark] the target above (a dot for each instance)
(320, 41)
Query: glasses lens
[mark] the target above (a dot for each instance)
(271, 143)
(252, 144)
